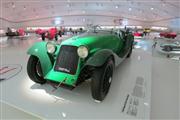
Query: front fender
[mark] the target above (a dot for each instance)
(100, 57)
(39, 50)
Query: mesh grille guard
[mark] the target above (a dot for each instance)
(67, 60)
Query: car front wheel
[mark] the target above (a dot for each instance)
(34, 70)
(101, 80)
(130, 52)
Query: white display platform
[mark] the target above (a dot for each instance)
(3, 39)
(10, 112)
(132, 78)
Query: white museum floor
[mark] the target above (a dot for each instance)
(144, 86)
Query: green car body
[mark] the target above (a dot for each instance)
(101, 45)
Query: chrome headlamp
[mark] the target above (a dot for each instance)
(51, 47)
(82, 51)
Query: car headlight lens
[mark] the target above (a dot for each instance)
(82, 51)
(51, 48)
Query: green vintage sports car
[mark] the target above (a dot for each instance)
(93, 54)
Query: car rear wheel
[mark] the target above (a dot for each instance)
(101, 80)
(34, 70)
(130, 52)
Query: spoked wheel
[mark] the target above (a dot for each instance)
(38, 69)
(101, 80)
(107, 79)
(34, 70)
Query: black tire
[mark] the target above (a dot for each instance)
(130, 52)
(56, 37)
(168, 56)
(101, 80)
(43, 36)
(34, 70)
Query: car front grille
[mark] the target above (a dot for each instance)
(67, 60)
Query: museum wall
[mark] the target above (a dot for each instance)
(80, 21)
(4, 24)
(173, 24)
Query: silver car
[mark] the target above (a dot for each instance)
(171, 47)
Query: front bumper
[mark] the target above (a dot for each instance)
(65, 78)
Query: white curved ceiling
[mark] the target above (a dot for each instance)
(139, 10)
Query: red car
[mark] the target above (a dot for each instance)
(39, 31)
(50, 34)
(168, 34)
(21, 32)
(13, 32)
(138, 34)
